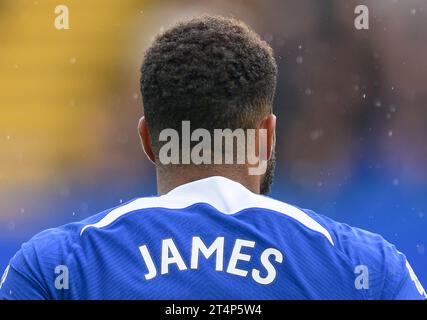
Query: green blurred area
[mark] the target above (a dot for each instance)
(54, 85)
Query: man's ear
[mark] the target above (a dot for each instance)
(269, 124)
(146, 140)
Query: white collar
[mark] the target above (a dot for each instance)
(222, 193)
(225, 195)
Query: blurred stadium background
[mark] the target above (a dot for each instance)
(351, 106)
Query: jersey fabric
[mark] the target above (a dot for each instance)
(208, 239)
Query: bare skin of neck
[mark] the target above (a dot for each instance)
(171, 177)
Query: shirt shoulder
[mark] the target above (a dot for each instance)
(380, 268)
(34, 272)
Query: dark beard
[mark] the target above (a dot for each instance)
(267, 178)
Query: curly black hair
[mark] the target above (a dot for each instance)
(213, 71)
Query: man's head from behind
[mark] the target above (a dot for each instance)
(215, 73)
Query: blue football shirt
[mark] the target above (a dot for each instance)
(208, 239)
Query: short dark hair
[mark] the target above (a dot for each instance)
(213, 71)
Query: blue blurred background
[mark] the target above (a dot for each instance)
(351, 106)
